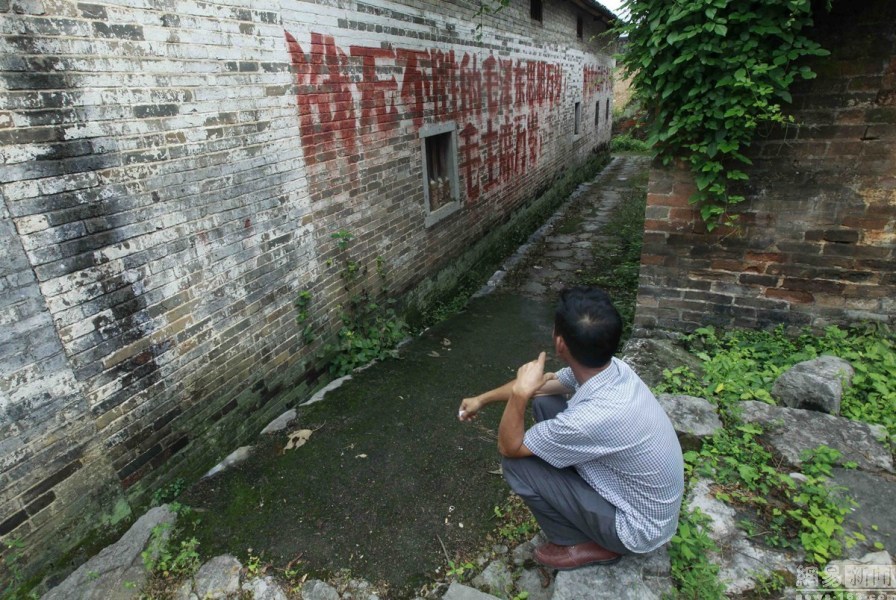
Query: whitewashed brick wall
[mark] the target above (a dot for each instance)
(163, 201)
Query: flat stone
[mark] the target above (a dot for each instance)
(875, 513)
(263, 588)
(316, 589)
(693, 418)
(457, 591)
(532, 582)
(280, 423)
(359, 589)
(740, 561)
(495, 578)
(814, 384)
(565, 253)
(530, 287)
(234, 458)
(319, 394)
(790, 431)
(117, 572)
(648, 357)
(543, 274)
(560, 239)
(218, 578)
(634, 577)
(525, 551)
(564, 266)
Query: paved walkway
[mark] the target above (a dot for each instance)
(390, 482)
(566, 249)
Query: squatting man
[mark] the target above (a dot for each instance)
(601, 469)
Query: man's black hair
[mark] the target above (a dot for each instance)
(589, 324)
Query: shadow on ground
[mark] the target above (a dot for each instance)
(389, 474)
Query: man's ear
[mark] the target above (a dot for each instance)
(559, 344)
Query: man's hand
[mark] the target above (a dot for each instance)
(530, 377)
(469, 408)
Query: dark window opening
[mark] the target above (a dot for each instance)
(607, 112)
(438, 170)
(597, 114)
(580, 27)
(535, 9)
(578, 117)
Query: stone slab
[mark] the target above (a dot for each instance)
(635, 577)
(117, 572)
(792, 430)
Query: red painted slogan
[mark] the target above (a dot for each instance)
(343, 93)
(596, 80)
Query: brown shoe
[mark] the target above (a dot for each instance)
(565, 558)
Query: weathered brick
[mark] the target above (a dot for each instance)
(821, 254)
(797, 297)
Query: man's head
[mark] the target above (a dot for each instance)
(589, 325)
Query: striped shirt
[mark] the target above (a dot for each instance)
(620, 441)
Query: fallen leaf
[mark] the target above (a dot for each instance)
(498, 471)
(361, 456)
(446, 342)
(297, 439)
(434, 354)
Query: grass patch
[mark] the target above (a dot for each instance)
(625, 142)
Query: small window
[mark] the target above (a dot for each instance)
(597, 114)
(535, 10)
(578, 117)
(607, 112)
(440, 180)
(580, 27)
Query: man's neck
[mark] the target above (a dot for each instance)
(583, 373)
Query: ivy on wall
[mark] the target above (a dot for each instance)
(709, 72)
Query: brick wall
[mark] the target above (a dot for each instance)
(819, 223)
(171, 176)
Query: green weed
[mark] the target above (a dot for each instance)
(458, 569)
(169, 492)
(515, 522)
(696, 577)
(12, 578)
(627, 143)
(743, 365)
(369, 331)
(303, 315)
(168, 559)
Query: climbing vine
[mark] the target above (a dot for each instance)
(487, 7)
(709, 73)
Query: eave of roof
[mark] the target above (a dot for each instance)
(599, 10)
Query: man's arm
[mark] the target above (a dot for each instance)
(469, 407)
(511, 431)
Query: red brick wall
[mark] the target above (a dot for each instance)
(817, 240)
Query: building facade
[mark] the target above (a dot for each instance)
(175, 173)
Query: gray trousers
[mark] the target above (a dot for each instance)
(568, 510)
